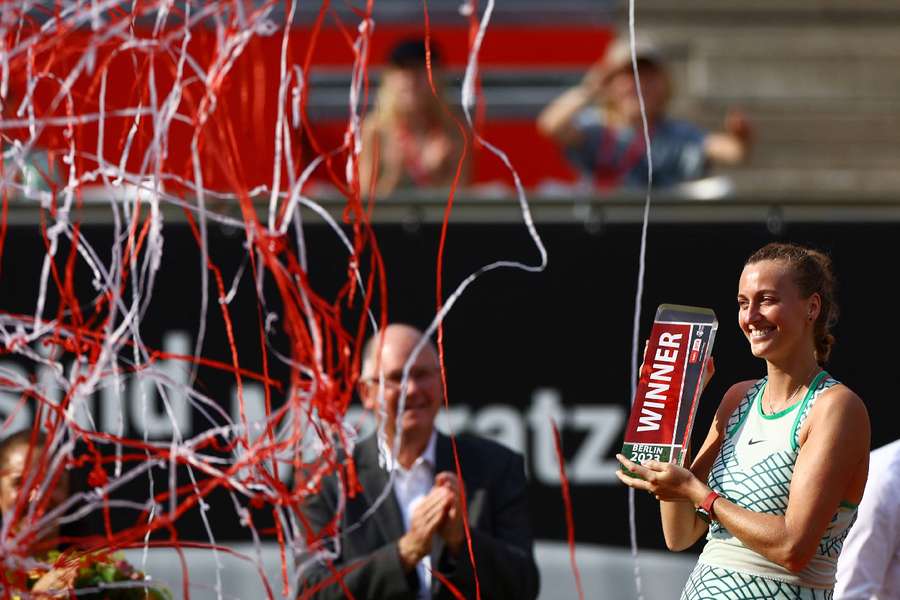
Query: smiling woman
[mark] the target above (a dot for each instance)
(793, 287)
(777, 480)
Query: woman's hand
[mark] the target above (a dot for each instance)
(666, 481)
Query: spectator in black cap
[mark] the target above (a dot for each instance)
(599, 124)
(409, 137)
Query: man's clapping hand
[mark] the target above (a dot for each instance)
(452, 530)
(439, 513)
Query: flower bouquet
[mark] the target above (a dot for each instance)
(109, 575)
(97, 571)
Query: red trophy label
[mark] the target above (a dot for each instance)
(662, 414)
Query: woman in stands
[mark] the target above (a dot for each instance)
(778, 478)
(409, 139)
(599, 125)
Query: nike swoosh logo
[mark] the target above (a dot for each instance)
(751, 441)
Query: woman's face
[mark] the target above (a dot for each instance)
(13, 477)
(411, 91)
(773, 315)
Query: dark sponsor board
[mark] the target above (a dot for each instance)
(521, 348)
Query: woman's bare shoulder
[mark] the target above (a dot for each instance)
(730, 402)
(734, 395)
(840, 402)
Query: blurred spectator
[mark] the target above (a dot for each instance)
(418, 541)
(20, 463)
(27, 174)
(25, 499)
(409, 138)
(869, 566)
(599, 124)
(31, 487)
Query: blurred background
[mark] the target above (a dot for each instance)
(818, 82)
(811, 91)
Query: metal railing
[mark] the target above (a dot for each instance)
(706, 201)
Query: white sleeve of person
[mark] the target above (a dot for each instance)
(869, 565)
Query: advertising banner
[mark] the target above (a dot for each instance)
(523, 351)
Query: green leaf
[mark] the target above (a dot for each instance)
(107, 573)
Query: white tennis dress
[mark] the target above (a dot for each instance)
(753, 469)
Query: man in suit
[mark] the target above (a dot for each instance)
(407, 540)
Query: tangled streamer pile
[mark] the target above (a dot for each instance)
(152, 105)
(196, 107)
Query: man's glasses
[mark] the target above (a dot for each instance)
(392, 381)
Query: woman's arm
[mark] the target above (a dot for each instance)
(446, 153)
(832, 457)
(556, 120)
(730, 146)
(368, 159)
(380, 162)
(681, 525)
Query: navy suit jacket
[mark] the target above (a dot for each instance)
(369, 563)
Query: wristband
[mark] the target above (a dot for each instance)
(705, 510)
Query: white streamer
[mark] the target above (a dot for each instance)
(639, 294)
